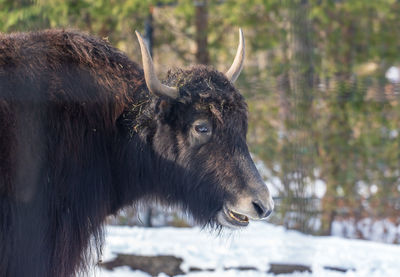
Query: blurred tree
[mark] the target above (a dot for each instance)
(320, 107)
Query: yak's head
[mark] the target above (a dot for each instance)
(200, 126)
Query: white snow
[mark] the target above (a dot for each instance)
(256, 246)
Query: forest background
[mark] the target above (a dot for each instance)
(324, 118)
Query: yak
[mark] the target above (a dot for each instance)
(85, 131)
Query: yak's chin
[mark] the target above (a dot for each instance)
(231, 219)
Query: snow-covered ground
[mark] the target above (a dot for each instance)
(256, 246)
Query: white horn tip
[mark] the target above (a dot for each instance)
(138, 35)
(153, 84)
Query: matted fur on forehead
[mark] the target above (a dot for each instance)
(207, 88)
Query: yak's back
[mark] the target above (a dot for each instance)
(53, 63)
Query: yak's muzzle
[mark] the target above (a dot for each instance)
(251, 205)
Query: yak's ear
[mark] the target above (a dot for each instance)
(163, 107)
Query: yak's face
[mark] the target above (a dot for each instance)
(203, 132)
(200, 127)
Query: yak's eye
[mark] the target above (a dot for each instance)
(201, 132)
(202, 128)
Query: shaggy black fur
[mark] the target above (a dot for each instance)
(81, 137)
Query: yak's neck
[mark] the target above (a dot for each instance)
(131, 180)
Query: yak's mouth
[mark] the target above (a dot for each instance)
(232, 219)
(238, 217)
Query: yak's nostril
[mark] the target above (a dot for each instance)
(260, 209)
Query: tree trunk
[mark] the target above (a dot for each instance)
(202, 56)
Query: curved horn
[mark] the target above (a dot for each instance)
(233, 73)
(152, 82)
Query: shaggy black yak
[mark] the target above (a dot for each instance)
(84, 132)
